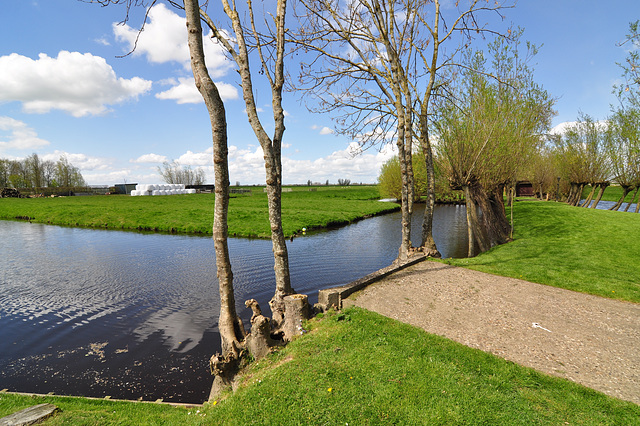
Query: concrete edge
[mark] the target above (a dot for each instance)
(333, 297)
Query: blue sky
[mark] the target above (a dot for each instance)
(64, 91)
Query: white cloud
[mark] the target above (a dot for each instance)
(81, 161)
(15, 134)
(164, 39)
(561, 128)
(80, 84)
(246, 165)
(197, 158)
(185, 92)
(150, 158)
(103, 41)
(322, 130)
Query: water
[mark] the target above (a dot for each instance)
(132, 315)
(606, 205)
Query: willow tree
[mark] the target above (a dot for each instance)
(485, 137)
(622, 145)
(583, 160)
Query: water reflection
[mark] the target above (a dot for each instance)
(95, 313)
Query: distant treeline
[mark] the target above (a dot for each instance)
(32, 172)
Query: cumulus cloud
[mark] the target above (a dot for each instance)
(197, 158)
(82, 161)
(185, 92)
(15, 134)
(150, 158)
(164, 40)
(79, 84)
(247, 165)
(561, 129)
(322, 130)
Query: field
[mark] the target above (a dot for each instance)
(248, 214)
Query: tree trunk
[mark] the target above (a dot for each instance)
(230, 328)
(625, 191)
(603, 186)
(271, 147)
(578, 194)
(405, 243)
(428, 244)
(590, 197)
(632, 198)
(572, 191)
(476, 225)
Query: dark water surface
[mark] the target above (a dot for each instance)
(132, 315)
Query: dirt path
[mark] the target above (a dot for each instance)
(587, 339)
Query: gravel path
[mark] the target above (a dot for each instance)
(587, 339)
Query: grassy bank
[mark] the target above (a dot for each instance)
(248, 214)
(359, 368)
(586, 250)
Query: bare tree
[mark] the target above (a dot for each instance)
(267, 41)
(375, 65)
(175, 173)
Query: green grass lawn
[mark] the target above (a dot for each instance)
(248, 214)
(358, 368)
(586, 250)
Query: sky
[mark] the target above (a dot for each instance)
(66, 90)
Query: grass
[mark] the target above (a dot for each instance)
(248, 214)
(585, 250)
(357, 367)
(83, 411)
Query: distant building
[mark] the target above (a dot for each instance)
(124, 188)
(524, 188)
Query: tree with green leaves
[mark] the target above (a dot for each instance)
(486, 135)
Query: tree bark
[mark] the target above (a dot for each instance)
(231, 331)
(475, 224)
(428, 244)
(625, 191)
(632, 198)
(271, 147)
(405, 242)
(590, 197)
(603, 186)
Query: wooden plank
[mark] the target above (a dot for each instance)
(29, 416)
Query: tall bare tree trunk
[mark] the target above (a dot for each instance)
(405, 243)
(271, 147)
(428, 243)
(231, 331)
